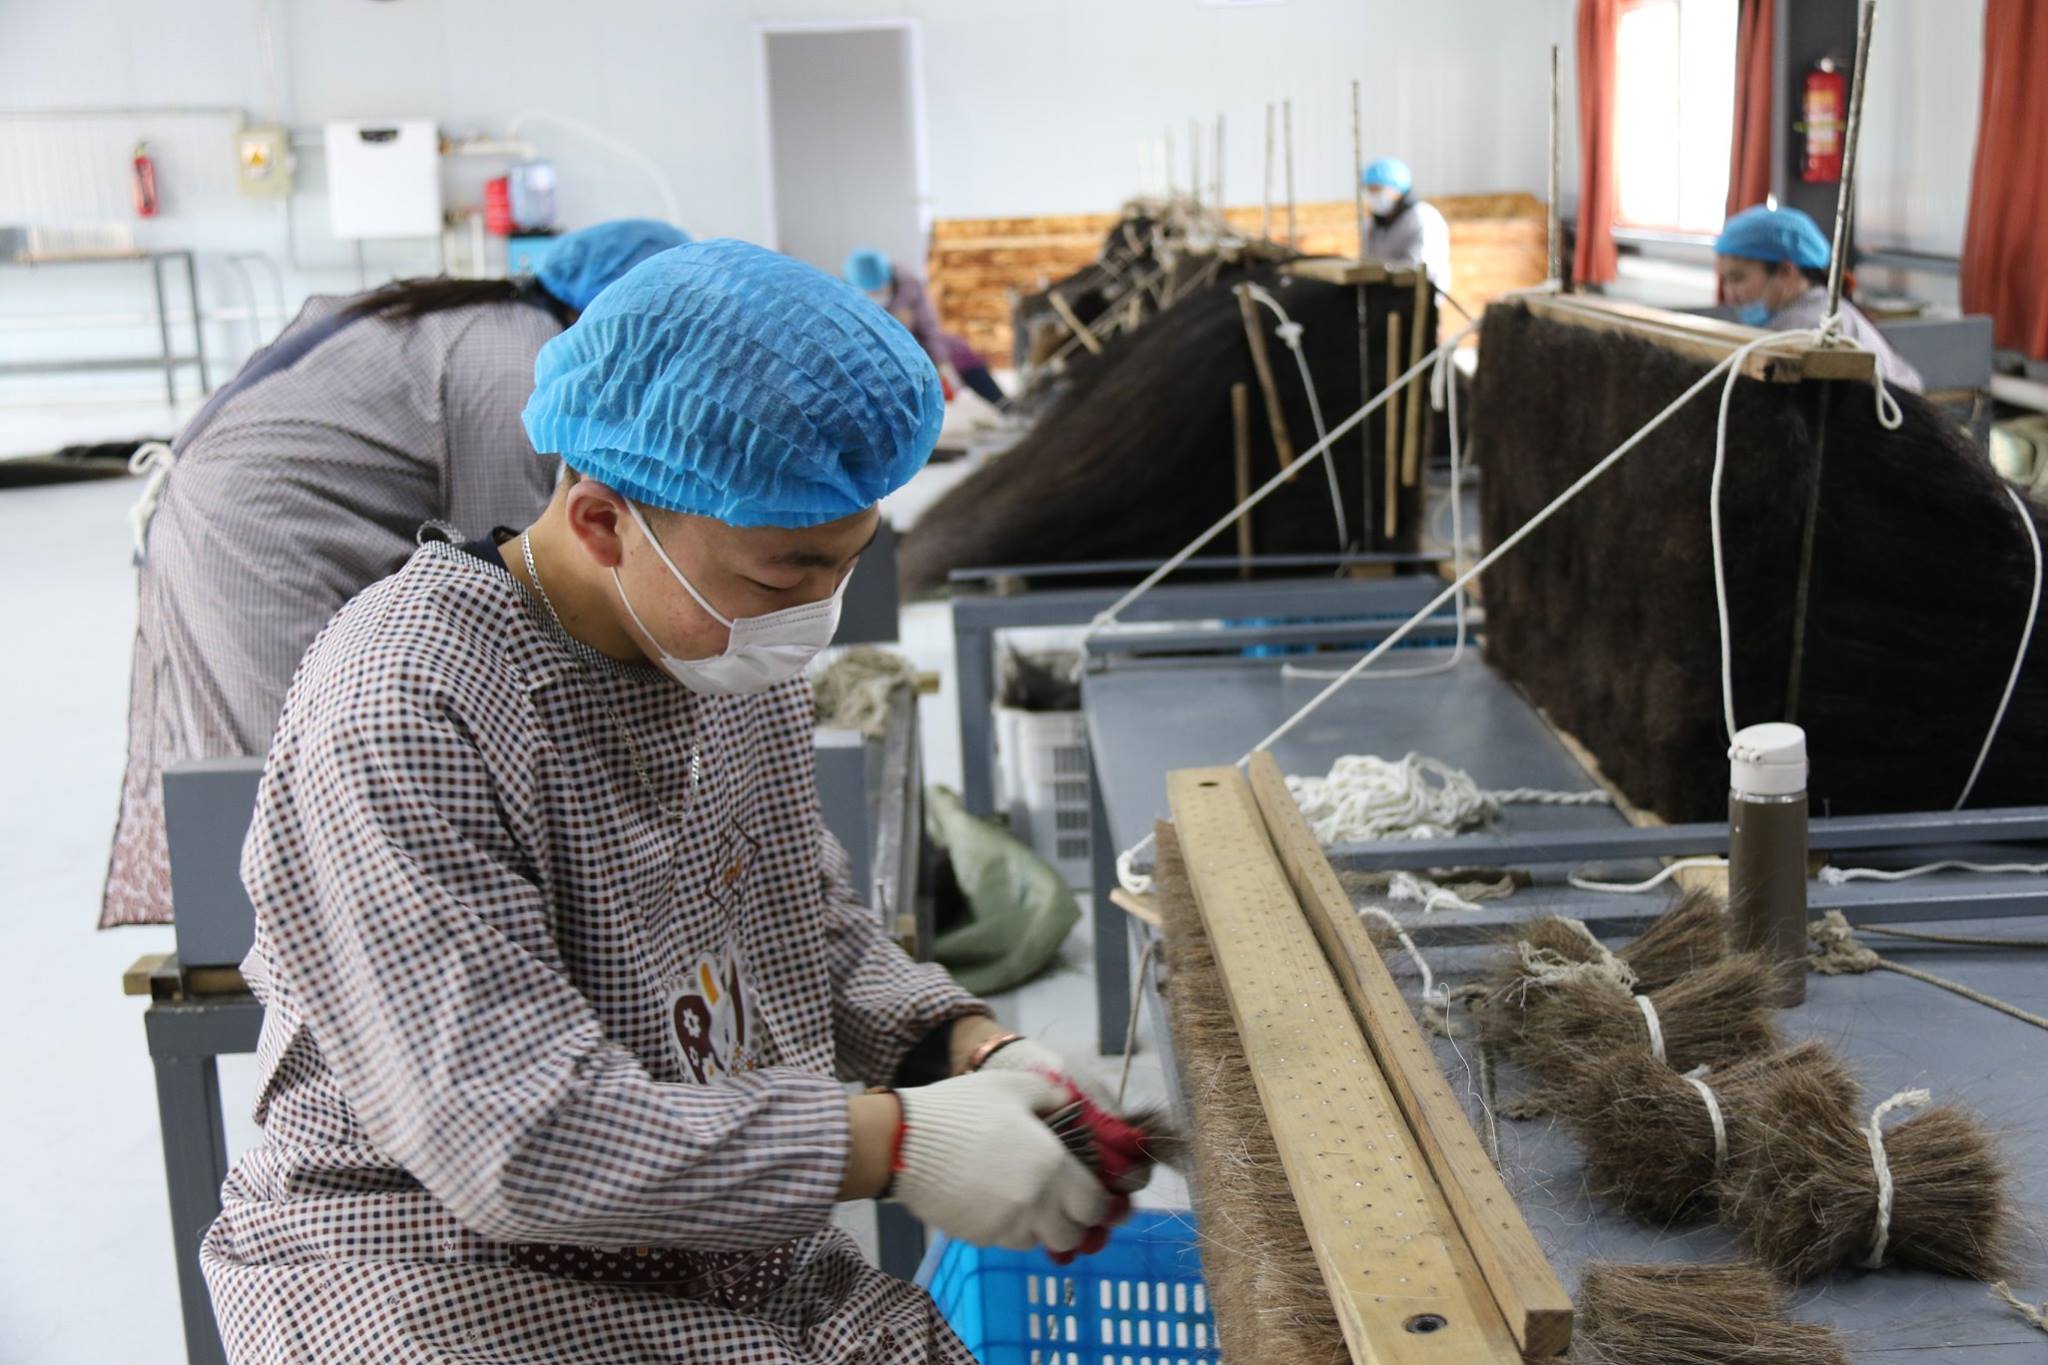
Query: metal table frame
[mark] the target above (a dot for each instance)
(166, 356)
(986, 601)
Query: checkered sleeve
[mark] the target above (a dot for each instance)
(407, 924)
(492, 477)
(882, 1001)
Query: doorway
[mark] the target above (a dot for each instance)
(842, 116)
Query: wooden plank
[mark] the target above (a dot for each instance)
(1708, 339)
(135, 981)
(1074, 324)
(1336, 270)
(1411, 441)
(1241, 471)
(1390, 426)
(1400, 1275)
(1523, 1285)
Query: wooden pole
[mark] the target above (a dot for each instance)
(1171, 188)
(1287, 121)
(1241, 433)
(1390, 426)
(1195, 162)
(1358, 167)
(1266, 193)
(1218, 168)
(1554, 256)
(1276, 416)
(1411, 445)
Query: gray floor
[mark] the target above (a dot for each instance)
(86, 1274)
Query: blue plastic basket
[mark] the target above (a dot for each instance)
(1138, 1301)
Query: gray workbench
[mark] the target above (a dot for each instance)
(1897, 1033)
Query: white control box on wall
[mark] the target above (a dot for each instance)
(384, 178)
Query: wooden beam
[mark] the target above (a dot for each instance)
(1707, 339)
(1241, 471)
(1072, 319)
(1524, 1287)
(1390, 426)
(1411, 441)
(1400, 1275)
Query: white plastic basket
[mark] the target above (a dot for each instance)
(1042, 782)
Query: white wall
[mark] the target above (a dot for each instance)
(1032, 106)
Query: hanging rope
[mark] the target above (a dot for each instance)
(1840, 953)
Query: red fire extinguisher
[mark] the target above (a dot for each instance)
(1824, 106)
(144, 182)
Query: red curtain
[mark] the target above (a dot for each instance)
(2005, 252)
(1749, 152)
(1594, 261)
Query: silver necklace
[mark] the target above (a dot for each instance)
(632, 749)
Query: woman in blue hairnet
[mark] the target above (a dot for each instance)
(306, 478)
(1773, 264)
(1404, 231)
(561, 973)
(904, 295)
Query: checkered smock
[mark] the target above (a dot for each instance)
(301, 492)
(498, 880)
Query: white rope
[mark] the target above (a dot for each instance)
(155, 459)
(1838, 876)
(1889, 416)
(1108, 617)
(1431, 992)
(1654, 1024)
(2019, 659)
(1443, 397)
(1713, 1104)
(1290, 333)
(1648, 884)
(1406, 886)
(1905, 1099)
(1730, 364)
(1365, 797)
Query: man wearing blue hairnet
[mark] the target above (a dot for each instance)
(561, 972)
(305, 479)
(1773, 264)
(1404, 231)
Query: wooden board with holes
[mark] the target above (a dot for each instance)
(1520, 1279)
(1401, 1277)
(1707, 339)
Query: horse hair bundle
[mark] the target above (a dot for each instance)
(1138, 457)
(1691, 934)
(1648, 1136)
(1585, 1018)
(1802, 1193)
(1606, 616)
(1268, 1292)
(1692, 1315)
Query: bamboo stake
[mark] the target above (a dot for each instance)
(1276, 417)
(1390, 427)
(1411, 445)
(1241, 433)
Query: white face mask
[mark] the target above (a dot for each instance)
(1382, 200)
(762, 650)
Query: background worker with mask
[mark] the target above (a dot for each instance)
(904, 295)
(560, 969)
(1773, 264)
(305, 479)
(1404, 231)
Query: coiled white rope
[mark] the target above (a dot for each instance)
(1366, 797)
(1905, 1099)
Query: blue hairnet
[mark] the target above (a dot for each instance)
(725, 380)
(868, 270)
(1391, 172)
(581, 263)
(1768, 234)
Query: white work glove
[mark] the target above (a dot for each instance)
(1026, 1055)
(978, 1162)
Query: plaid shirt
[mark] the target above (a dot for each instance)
(304, 490)
(490, 866)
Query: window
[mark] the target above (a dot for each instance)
(1674, 105)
